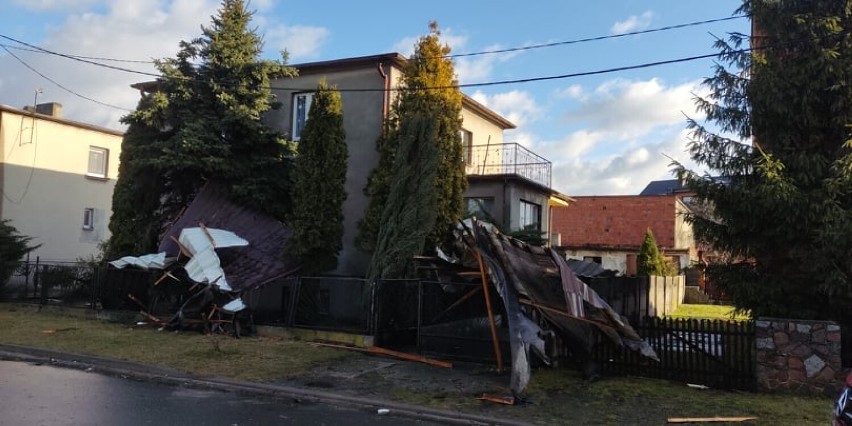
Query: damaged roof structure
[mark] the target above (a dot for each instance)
(230, 249)
(530, 278)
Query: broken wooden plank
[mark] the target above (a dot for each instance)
(505, 400)
(388, 352)
(57, 330)
(207, 234)
(166, 274)
(709, 419)
(137, 301)
(458, 302)
(152, 318)
(185, 251)
(495, 341)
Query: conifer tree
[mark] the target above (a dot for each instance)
(428, 89)
(13, 248)
(318, 189)
(650, 261)
(202, 125)
(782, 209)
(409, 213)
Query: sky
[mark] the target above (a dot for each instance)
(606, 134)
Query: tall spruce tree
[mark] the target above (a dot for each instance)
(782, 208)
(428, 89)
(318, 192)
(202, 125)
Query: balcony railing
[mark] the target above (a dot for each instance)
(507, 158)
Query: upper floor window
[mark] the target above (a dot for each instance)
(529, 216)
(301, 107)
(98, 162)
(467, 144)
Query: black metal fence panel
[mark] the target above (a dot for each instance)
(453, 322)
(715, 353)
(78, 284)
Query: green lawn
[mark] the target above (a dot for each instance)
(555, 395)
(708, 311)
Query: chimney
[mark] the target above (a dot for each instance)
(53, 109)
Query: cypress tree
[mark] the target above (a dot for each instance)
(409, 213)
(428, 89)
(318, 192)
(782, 209)
(429, 82)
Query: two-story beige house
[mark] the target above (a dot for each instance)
(57, 178)
(507, 180)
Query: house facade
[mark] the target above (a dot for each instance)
(505, 179)
(609, 230)
(57, 177)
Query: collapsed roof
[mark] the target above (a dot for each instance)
(260, 261)
(540, 279)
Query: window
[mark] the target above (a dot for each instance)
(88, 218)
(301, 107)
(98, 162)
(467, 145)
(479, 207)
(593, 259)
(530, 216)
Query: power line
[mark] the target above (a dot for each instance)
(79, 59)
(91, 59)
(61, 86)
(588, 39)
(94, 58)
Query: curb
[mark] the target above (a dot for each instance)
(125, 369)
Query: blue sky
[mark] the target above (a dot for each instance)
(605, 134)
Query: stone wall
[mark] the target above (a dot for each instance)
(798, 356)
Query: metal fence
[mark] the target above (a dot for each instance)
(442, 319)
(77, 284)
(715, 353)
(508, 158)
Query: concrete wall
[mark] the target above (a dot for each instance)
(683, 235)
(363, 114)
(612, 260)
(44, 165)
(362, 121)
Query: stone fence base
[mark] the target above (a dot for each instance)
(798, 356)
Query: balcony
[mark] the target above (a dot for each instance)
(507, 159)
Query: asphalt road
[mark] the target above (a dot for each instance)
(46, 395)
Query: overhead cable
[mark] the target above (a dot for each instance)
(588, 39)
(61, 86)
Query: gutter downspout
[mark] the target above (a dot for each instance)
(386, 87)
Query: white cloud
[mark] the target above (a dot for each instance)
(625, 172)
(64, 5)
(517, 106)
(633, 23)
(620, 134)
(406, 46)
(300, 41)
(574, 91)
(137, 30)
(628, 108)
